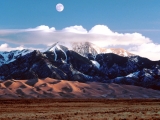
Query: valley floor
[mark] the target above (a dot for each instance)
(82, 109)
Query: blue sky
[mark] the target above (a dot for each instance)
(122, 16)
(116, 14)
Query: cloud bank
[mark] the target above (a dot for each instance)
(99, 34)
(6, 47)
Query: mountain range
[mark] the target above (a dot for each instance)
(83, 62)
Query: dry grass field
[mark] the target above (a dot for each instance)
(79, 109)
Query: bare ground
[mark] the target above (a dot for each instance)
(80, 109)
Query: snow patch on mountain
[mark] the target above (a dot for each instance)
(135, 74)
(96, 63)
(62, 51)
(134, 58)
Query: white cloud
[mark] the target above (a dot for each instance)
(42, 28)
(101, 29)
(99, 34)
(149, 50)
(75, 29)
(6, 47)
(3, 46)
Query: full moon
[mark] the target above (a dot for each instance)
(59, 7)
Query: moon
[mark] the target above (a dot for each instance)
(59, 7)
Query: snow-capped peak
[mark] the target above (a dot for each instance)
(84, 48)
(7, 57)
(58, 47)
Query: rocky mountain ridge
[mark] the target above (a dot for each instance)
(85, 48)
(59, 62)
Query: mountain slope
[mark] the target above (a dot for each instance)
(59, 62)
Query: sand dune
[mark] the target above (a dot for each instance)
(52, 88)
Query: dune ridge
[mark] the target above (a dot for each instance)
(52, 88)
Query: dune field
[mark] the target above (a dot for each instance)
(52, 88)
